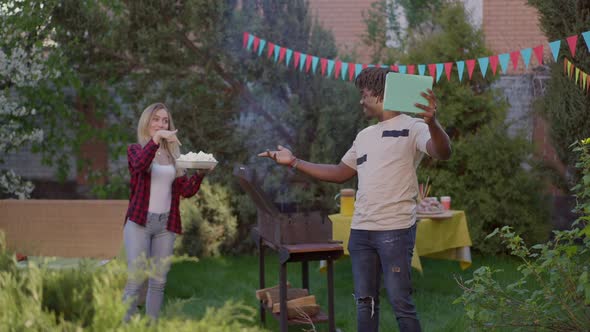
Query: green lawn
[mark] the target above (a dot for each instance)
(211, 282)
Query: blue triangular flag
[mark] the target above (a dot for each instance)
(402, 69)
(357, 69)
(421, 69)
(440, 67)
(460, 68)
(261, 46)
(302, 60)
(586, 36)
(483, 65)
(384, 66)
(344, 71)
(504, 58)
(371, 65)
(314, 63)
(555, 49)
(330, 67)
(289, 54)
(250, 41)
(526, 56)
(277, 51)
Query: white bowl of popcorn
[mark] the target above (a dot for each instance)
(200, 160)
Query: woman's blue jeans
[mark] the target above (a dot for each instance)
(154, 244)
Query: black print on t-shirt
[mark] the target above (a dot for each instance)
(361, 160)
(396, 133)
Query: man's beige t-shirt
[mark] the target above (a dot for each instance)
(385, 157)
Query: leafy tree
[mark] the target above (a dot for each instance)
(564, 104)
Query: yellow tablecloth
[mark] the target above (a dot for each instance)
(435, 238)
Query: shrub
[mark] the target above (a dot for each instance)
(89, 298)
(208, 222)
(553, 292)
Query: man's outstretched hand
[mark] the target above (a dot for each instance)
(282, 156)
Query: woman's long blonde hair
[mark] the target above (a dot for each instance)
(143, 132)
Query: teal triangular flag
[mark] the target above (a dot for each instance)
(460, 68)
(504, 58)
(314, 63)
(483, 65)
(261, 46)
(586, 36)
(421, 69)
(555, 49)
(330, 67)
(440, 67)
(357, 69)
(344, 71)
(302, 60)
(277, 51)
(250, 41)
(526, 56)
(384, 66)
(371, 65)
(402, 69)
(289, 54)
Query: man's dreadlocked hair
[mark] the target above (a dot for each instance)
(373, 79)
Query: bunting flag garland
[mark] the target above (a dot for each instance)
(580, 77)
(349, 71)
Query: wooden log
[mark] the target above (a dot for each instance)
(301, 312)
(273, 295)
(298, 302)
(261, 293)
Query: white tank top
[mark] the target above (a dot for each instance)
(161, 188)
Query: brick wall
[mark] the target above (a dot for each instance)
(344, 18)
(511, 25)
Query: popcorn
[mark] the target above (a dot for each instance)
(201, 156)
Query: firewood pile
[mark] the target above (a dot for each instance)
(299, 303)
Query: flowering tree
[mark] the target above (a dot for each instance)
(23, 65)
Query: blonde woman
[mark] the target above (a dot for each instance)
(153, 216)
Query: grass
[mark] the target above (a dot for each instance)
(212, 281)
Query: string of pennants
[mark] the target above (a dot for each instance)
(581, 77)
(348, 71)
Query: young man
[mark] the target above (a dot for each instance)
(383, 231)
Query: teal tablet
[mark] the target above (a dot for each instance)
(402, 91)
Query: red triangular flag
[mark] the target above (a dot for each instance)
(282, 54)
(448, 69)
(432, 70)
(271, 49)
(395, 68)
(296, 59)
(324, 63)
(351, 71)
(411, 69)
(494, 63)
(470, 66)
(365, 65)
(245, 41)
(539, 54)
(256, 43)
(337, 68)
(514, 57)
(572, 41)
(308, 63)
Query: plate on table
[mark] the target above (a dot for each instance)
(196, 164)
(444, 214)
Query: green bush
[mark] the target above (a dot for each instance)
(553, 292)
(35, 298)
(208, 222)
(493, 187)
